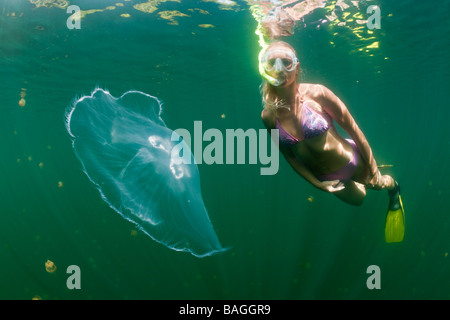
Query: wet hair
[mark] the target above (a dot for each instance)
(278, 23)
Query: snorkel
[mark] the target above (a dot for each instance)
(258, 15)
(267, 58)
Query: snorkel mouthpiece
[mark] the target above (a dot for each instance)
(271, 80)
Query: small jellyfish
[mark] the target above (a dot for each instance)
(50, 266)
(223, 116)
(36, 297)
(310, 198)
(60, 184)
(23, 94)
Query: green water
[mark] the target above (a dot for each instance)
(282, 245)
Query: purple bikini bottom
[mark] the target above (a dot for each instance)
(346, 172)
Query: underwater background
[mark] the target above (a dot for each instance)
(287, 240)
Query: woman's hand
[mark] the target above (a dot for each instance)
(372, 180)
(331, 186)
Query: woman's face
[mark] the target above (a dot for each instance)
(280, 62)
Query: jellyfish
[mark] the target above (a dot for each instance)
(50, 267)
(125, 150)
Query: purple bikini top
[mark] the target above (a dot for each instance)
(313, 124)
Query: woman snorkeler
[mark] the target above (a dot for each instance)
(305, 114)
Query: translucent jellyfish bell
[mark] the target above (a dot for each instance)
(125, 150)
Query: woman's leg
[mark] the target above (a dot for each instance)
(382, 182)
(353, 193)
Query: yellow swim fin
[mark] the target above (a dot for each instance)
(395, 219)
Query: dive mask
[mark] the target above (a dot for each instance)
(279, 60)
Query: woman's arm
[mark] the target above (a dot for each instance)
(337, 109)
(329, 186)
(298, 167)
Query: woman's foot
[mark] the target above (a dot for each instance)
(394, 197)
